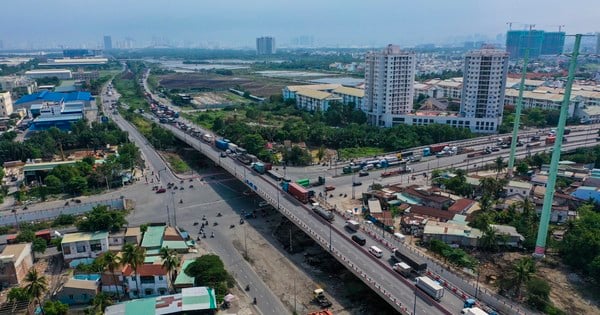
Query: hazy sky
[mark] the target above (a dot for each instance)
(238, 22)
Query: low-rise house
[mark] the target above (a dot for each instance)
(183, 280)
(459, 233)
(116, 240)
(586, 193)
(76, 291)
(196, 300)
(15, 261)
(462, 206)
(151, 278)
(133, 235)
(427, 197)
(514, 187)
(432, 213)
(84, 245)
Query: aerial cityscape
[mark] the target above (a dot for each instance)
(307, 158)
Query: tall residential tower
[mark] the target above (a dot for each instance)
(484, 83)
(389, 79)
(265, 45)
(107, 42)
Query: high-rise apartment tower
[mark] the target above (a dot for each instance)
(265, 45)
(389, 80)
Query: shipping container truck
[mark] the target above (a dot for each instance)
(304, 182)
(244, 159)
(261, 167)
(431, 287)
(296, 190)
(232, 146)
(276, 176)
(352, 225)
(221, 144)
(351, 169)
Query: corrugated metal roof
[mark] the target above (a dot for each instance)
(320, 95)
(153, 236)
(182, 277)
(47, 96)
(350, 91)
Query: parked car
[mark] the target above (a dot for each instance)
(363, 173)
(356, 183)
(161, 190)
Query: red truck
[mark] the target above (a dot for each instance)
(437, 148)
(550, 140)
(298, 191)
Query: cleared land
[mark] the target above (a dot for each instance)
(259, 86)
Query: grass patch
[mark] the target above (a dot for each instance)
(131, 95)
(177, 164)
(352, 153)
(206, 118)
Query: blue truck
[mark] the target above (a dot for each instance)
(222, 144)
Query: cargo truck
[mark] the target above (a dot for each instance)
(431, 287)
(402, 268)
(244, 159)
(222, 144)
(418, 265)
(432, 150)
(550, 140)
(261, 167)
(325, 214)
(351, 169)
(305, 182)
(296, 190)
(352, 225)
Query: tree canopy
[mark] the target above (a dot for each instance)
(101, 218)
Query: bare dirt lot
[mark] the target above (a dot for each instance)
(208, 82)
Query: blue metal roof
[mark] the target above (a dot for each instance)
(47, 96)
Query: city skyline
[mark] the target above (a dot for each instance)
(236, 24)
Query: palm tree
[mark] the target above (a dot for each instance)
(499, 165)
(36, 287)
(489, 239)
(521, 272)
(170, 261)
(101, 301)
(111, 261)
(134, 256)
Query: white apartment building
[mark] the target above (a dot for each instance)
(84, 245)
(313, 100)
(389, 79)
(483, 88)
(12, 82)
(350, 95)
(542, 100)
(6, 104)
(152, 279)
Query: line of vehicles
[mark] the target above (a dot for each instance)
(403, 264)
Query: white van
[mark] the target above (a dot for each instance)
(399, 237)
(375, 251)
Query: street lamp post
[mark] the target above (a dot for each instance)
(174, 208)
(353, 176)
(330, 237)
(415, 303)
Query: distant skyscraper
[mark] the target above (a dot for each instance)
(518, 41)
(598, 43)
(107, 42)
(265, 45)
(484, 82)
(389, 80)
(553, 43)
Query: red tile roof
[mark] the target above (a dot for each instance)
(145, 270)
(432, 212)
(461, 205)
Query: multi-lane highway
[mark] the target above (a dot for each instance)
(376, 273)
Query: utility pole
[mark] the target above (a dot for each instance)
(540, 244)
(516, 123)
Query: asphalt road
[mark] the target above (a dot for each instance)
(215, 193)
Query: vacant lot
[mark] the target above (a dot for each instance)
(258, 86)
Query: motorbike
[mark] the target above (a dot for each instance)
(215, 224)
(247, 287)
(241, 221)
(212, 235)
(180, 200)
(191, 186)
(254, 301)
(345, 195)
(203, 235)
(232, 226)
(219, 214)
(195, 223)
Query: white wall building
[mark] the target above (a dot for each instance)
(350, 95)
(151, 278)
(6, 104)
(483, 88)
(11, 82)
(313, 100)
(84, 245)
(542, 100)
(62, 74)
(389, 79)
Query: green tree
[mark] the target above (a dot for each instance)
(489, 239)
(17, 295)
(100, 302)
(77, 185)
(209, 270)
(538, 293)
(134, 256)
(25, 236)
(111, 261)
(36, 286)
(170, 262)
(520, 273)
(499, 163)
(55, 308)
(580, 247)
(101, 218)
(321, 153)
(522, 168)
(39, 245)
